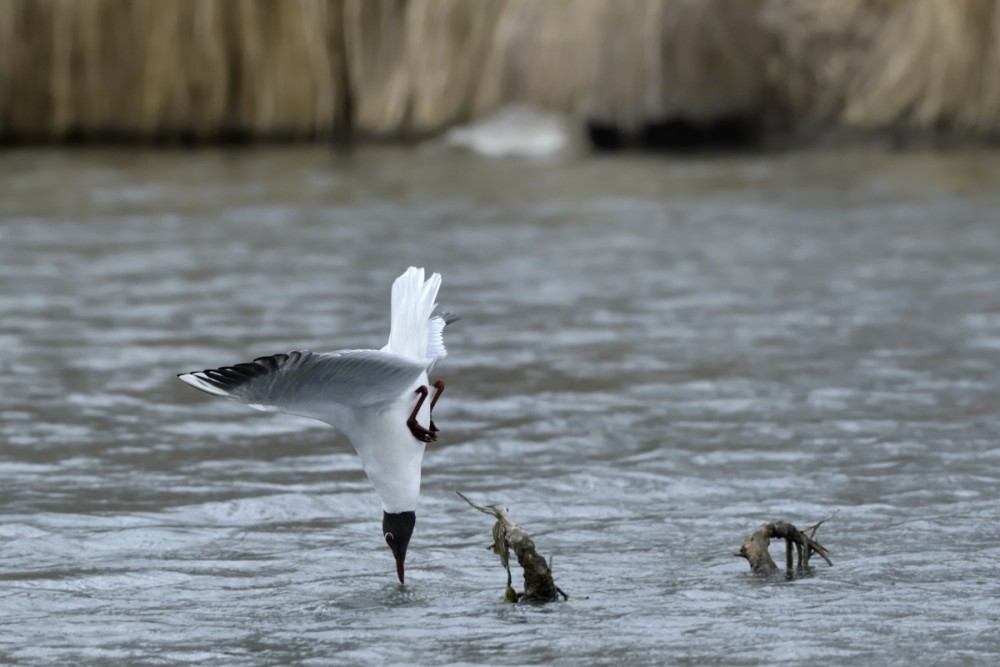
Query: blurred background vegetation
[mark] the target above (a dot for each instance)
(642, 71)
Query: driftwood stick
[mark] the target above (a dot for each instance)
(507, 535)
(813, 528)
(755, 547)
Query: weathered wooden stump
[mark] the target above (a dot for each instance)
(755, 547)
(507, 535)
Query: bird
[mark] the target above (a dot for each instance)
(378, 399)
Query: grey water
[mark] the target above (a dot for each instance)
(656, 356)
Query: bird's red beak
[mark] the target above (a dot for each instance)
(399, 568)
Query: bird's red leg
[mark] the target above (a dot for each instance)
(418, 431)
(439, 385)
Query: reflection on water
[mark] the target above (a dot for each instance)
(654, 357)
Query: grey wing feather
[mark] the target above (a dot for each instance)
(312, 384)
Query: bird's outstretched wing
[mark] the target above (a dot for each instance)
(313, 384)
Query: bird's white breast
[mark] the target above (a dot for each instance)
(391, 456)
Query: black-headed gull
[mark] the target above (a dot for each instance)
(377, 398)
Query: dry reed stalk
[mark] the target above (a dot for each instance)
(986, 117)
(930, 68)
(414, 66)
(697, 60)
(9, 15)
(186, 89)
(286, 74)
(820, 46)
(712, 56)
(542, 53)
(26, 54)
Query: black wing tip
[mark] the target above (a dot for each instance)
(449, 317)
(197, 374)
(230, 377)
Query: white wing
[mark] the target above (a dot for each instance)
(311, 384)
(413, 331)
(412, 304)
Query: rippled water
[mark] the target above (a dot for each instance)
(655, 357)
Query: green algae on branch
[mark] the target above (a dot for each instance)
(755, 547)
(507, 535)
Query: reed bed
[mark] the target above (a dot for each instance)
(210, 70)
(185, 69)
(934, 65)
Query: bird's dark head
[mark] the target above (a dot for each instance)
(397, 529)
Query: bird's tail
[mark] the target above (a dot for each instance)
(411, 331)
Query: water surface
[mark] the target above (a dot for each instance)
(655, 357)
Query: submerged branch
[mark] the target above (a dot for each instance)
(507, 535)
(755, 547)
